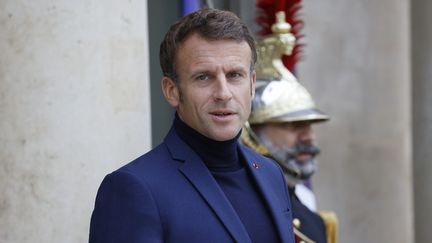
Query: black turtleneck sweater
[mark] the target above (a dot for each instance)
(225, 163)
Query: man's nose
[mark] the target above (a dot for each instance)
(306, 133)
(222, 90)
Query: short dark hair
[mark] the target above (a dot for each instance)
(210, 24)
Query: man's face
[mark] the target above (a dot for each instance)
(215, 86)
(288, 135)
(292, 145)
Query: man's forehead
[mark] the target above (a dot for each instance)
(199, 53)
(206, 43)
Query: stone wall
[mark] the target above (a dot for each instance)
(74, 102)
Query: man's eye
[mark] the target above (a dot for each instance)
(234, 75)
(203, 77)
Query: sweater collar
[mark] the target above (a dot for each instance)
(217, 155)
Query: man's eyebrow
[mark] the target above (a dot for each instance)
(199, 72)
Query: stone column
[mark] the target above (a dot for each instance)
(421, 12)
(357, 66)
(74, 102)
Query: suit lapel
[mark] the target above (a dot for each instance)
(258, 169)
(202, 180)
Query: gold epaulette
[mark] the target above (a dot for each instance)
(331, 224)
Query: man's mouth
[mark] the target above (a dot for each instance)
(302, 157)
(222, 113)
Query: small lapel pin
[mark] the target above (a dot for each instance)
(255, 165)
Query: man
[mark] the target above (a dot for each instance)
(200, 184)
(280, 127)
(288, 138)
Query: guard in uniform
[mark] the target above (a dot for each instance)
(280, 127)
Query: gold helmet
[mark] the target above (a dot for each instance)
(279, 97)
(283, 101)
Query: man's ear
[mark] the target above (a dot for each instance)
(170, 91)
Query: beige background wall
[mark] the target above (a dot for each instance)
(357, 66)
(74, 104)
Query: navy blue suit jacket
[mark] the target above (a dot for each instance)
(169, 195)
